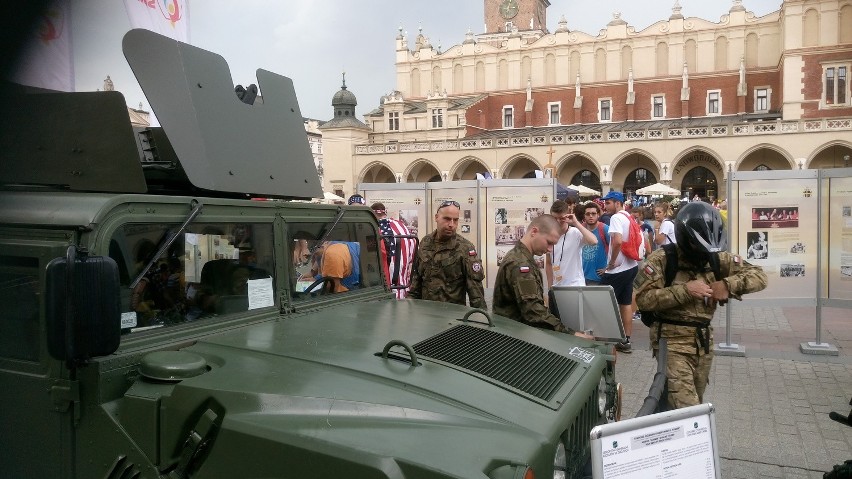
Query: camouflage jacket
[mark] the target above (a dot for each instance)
(675, 302)
(519, 291)
(446, 270)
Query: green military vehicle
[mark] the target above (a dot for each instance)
(156, 320)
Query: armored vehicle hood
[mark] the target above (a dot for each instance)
(320, 378)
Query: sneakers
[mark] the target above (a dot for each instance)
(624, 347)
(637, 316)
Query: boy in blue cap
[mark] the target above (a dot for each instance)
(620, 270)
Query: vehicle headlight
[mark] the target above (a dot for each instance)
(602, 395)
(560, 462)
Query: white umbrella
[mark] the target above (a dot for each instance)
(658, 189)
(331, 196)
(584, 190)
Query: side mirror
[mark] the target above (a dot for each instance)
(82, 306)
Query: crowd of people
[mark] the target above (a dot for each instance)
(678, 274)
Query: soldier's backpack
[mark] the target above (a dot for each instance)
(634, 247)
(649, 317)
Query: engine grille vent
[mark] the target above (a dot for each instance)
(504, 359)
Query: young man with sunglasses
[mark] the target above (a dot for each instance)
(564, 266)
(446, 266)
(594, 256)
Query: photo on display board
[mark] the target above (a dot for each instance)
(501, 253)
(409, 219)
(501, 217)
(466, 214)
(847, 211)
(507, 234)
(772, 217)
(465, 228)
(532, 213)
(797, 248)
(792, 270)
(758, 245)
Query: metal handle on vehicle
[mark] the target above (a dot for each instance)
(399, 342)
(484, 313)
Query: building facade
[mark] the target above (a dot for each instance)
(684, 101)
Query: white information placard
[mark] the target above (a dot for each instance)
(671, 444)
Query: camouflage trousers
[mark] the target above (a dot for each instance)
(688, 376)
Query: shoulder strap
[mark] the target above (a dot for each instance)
(671, 262)
(603, 237)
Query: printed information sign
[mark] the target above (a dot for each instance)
(840, 238)
(672, 444)
(777, 221)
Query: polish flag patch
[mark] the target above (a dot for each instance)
(525, 269)
(471, 252)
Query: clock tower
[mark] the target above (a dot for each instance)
(501, 16)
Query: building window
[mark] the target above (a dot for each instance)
(714, 102)
(555, 114)
(604, 110)
(761, 99)
(437, 117)
(835, 86)
(658, 106)
(508, 117)
(393, 121)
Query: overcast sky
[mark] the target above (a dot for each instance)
(314, 41)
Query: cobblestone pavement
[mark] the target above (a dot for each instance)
(771, 414)
(772, 404)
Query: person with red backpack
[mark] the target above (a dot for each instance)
(594, 255)
(626, 248)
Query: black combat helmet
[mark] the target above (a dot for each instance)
(699, 231)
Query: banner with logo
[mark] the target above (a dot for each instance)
(166, 17)
(47, 61)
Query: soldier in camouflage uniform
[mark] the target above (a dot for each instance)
(519, 287)
(684, 309)
(446, 266)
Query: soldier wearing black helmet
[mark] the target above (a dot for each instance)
(706, 275)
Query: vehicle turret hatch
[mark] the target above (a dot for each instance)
(88, 147)
(224, 144)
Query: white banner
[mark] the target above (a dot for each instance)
(166, 17)
(47, 60)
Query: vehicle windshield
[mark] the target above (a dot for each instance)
(345, 260)
(209, 270)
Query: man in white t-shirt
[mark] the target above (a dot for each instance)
(564, 266)
(620, 270)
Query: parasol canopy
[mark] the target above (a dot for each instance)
(658, 189)
(584, 190)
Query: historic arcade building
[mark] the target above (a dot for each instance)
(683, 102)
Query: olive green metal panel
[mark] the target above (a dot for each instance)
(224, 144)
(80, 141)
